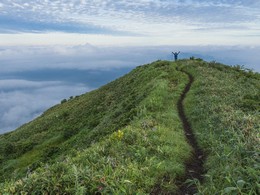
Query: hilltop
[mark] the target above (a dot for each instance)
(129, 136)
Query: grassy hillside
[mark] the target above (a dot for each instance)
(223, 107)
(127, 138)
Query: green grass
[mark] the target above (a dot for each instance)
(127, 138)
(223, 107)
(133, 146)
(77, 123)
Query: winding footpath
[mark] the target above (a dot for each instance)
(194, 166)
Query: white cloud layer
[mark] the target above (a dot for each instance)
(89, 57)
(12, 84)
(82, 57)
(38, 35)
(23, 100)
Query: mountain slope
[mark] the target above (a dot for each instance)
(223, 107)
(141, 104)
(127, 137)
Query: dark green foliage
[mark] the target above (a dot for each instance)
(9, 149)
(48, 153)
(69, 133)
(197, 59)
(160, 63)
(1, 159)
(251, 102)
(239, 67)
(63, 101)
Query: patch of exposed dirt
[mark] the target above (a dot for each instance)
(194, 168)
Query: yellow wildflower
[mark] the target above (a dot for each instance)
(120, 134)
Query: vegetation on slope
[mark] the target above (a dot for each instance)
(127, 138)
(123, 138)
(76, 123)
(223, 107)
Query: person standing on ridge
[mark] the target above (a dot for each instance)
(175, 55)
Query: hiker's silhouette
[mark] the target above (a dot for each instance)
(175, 55)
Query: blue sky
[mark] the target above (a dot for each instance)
(52, 49)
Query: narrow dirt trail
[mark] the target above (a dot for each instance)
(194, 166)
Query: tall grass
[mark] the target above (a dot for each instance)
(76, 123)
(147, 152)
(127, 138)
(223, 108)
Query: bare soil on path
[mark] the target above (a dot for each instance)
(194, 168)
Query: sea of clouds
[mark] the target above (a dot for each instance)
(34, 78)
